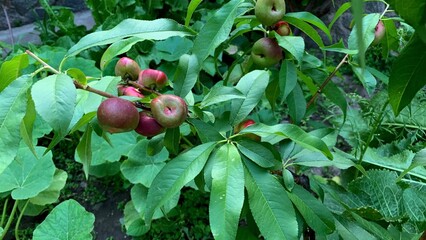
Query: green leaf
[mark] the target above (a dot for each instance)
(186, 75)
(68, 220)
(378, 189)
(219, 94)
(295, 45)
(407, 75)
(373, 227)
(339, 47)
(312, 19)
(349, 229)
(306, 28)
(278, 132)
(134, 224)
(315, 213)
(391, 39)
(258, 153)
(55, 96)
(206, 132)
(28, 175)
(117, 48)
(78, 75)
(52, 193)
(296, 103)
(175, 175)
(273, 91)
(342, 9)
(139, 194)
(272, 210)
(27, 125)
(102, 151)
(361, 40)
(107, 84)
(83, 121)
(11, 69)
(227, 193)
(216, 30)
(172, 140)
(415, 204)
(288, 78)
(367, 79)
(84, 150)
(13, 106)
(191, 9)
(142, 166)
(158, 29)
(241, 108)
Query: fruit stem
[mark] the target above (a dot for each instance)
(140, 86)
(327, 80)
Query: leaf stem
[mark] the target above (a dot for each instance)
(18, 221)
(3, 216)
(327, 80)
(10, 220)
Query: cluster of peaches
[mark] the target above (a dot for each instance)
(116, 115)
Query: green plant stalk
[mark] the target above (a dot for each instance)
(3, 216)
(376, 125)
(10, 220)
(18, 221)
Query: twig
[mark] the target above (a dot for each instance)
(142, 87)
(12, 40)
(312, 100)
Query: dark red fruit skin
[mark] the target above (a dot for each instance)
(148, 126)
(152, 78)
(282, 28)
(266, 52)
(127, 69)
(169, 110)
(116, 115)
(129, 91)
(245, 124)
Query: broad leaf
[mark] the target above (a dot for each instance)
(295, 45)
(172, 140)
(227, 193)
(134, 224)
(407, 75)
(55, 96)
(276, 133)
(205, 131)
(220, 94)
(296, 103)
(11, 70)
(117, 48)
(366, 37)
(27, 125)
(312, 19)
(68, 220)
(186, 75)
(142, 166)
(175, 175)
(52, 193)
(258, 153)
(216, 30)
(158, 29)
(272, 210)
(253, 86)
(28, 175)
(316, 215)
(13, 106)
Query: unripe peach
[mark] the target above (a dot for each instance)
(129, 91)
(379, 32)
(127, 69)
(269, 12)
(245, 124)
(266, 52)
(282, 28)
(169, 110)
(148, 126)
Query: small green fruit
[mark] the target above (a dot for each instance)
(117, 115)
(169, 110)
(127, 69)
(269, 12)
(148, 126)
(266, 52)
